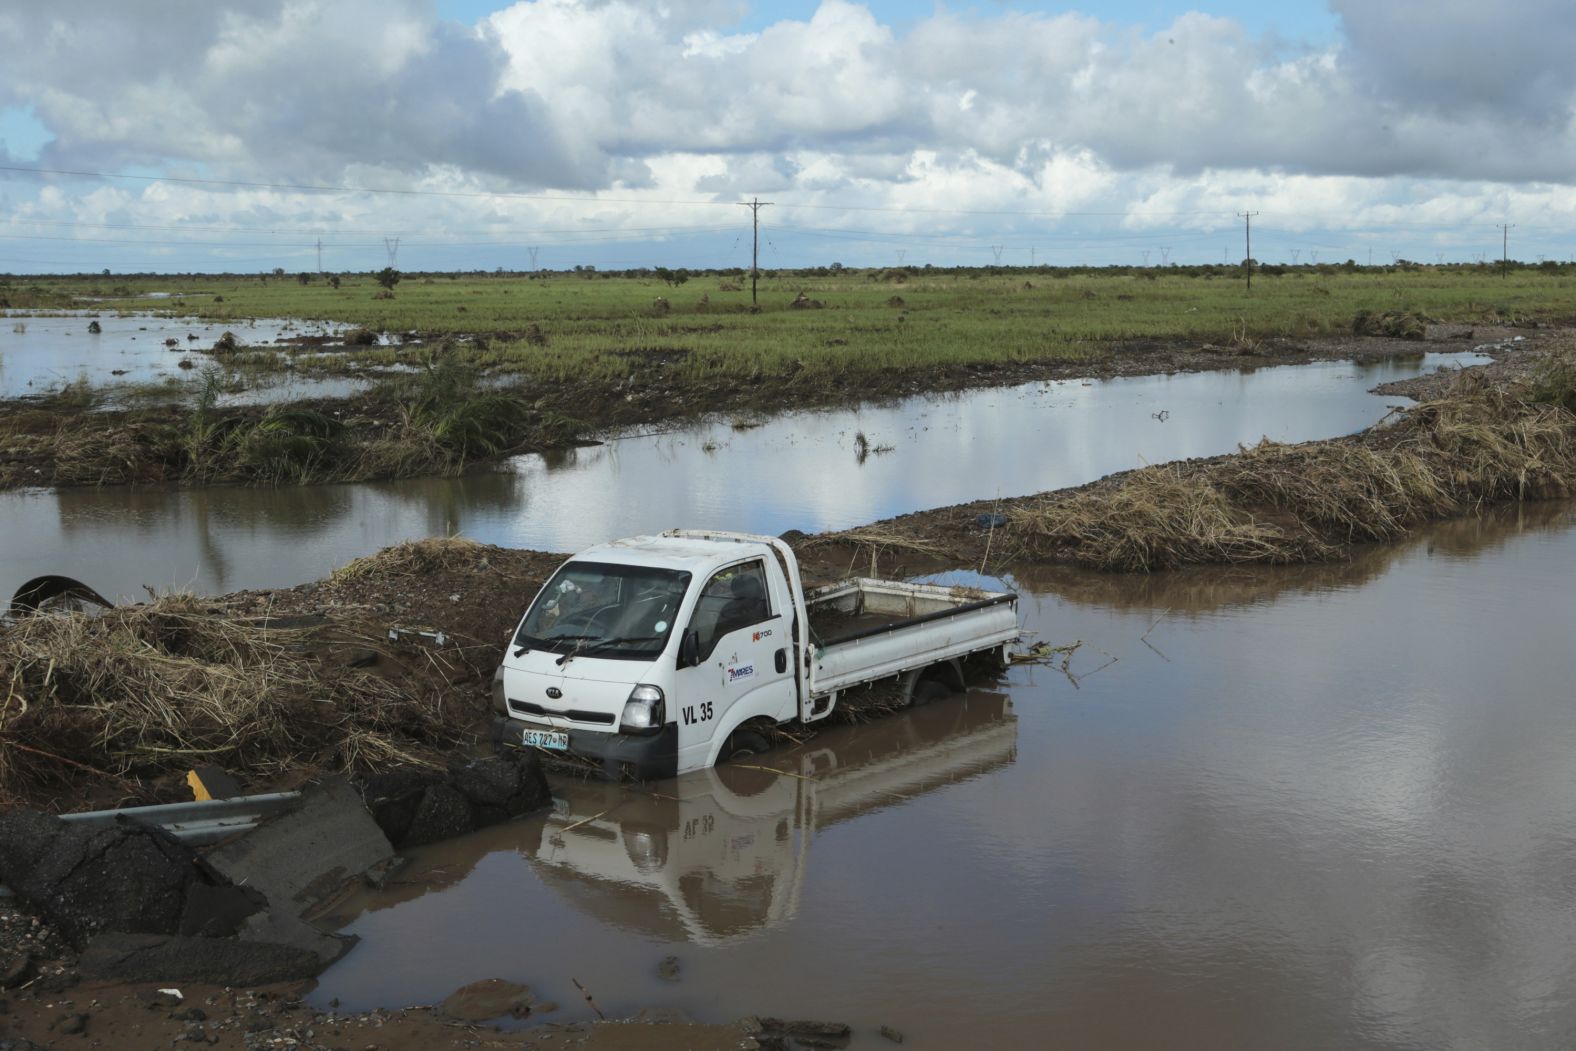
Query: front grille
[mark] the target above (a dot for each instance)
(574, 715)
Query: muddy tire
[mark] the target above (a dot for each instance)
(742, 744)
(929, 690)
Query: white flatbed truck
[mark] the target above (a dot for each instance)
(657, 655)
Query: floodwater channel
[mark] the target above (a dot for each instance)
(1301, 807)
(800, 470)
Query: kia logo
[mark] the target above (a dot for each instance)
(554, 692)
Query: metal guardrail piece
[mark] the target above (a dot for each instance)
(198, 822)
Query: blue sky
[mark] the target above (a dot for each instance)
(624, 132)
(21, 132)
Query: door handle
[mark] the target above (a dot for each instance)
(782, 661)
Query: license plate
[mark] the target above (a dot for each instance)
(545, 739)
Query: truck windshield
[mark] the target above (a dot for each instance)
(602, 609)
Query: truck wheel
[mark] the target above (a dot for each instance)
(741, 744)
(929, 690)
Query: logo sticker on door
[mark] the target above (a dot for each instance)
(735, 674)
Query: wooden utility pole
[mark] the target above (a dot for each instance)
(755, 206)
(1504, 250)
(1247, 229)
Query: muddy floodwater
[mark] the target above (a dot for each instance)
(44, 352)
(800, 470)
(1309, 808)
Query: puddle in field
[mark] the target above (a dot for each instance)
(43, 352)
(1320, 807)
(800, 470)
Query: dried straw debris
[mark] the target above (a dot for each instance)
(142, 691)
(1278, 503)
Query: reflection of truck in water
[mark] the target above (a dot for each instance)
(725, 855)
(656, 655)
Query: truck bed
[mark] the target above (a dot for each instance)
(867, 629)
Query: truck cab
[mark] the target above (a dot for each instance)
(643, 656)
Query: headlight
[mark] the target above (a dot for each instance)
(643, 712)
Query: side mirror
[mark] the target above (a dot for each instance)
(689, 649)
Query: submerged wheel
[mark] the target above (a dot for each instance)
(742, 744)
(928, 690)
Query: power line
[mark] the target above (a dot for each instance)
(237, 228)
(246, 184)
(601, 235)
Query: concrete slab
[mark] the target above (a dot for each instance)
(299, 859)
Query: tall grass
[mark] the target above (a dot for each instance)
(78, 395)
(444, 419)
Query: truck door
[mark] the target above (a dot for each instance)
(743, 668)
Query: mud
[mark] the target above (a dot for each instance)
(49, 999)
(143, 1017)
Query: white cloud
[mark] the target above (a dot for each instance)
(1443, 109)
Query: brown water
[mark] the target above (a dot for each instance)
(800, 470)
(1325, 807)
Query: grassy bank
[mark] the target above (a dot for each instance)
(852, 323)
(433, 421)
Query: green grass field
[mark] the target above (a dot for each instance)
(509, 362)
(586, 326)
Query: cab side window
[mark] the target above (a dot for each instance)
(733, 598)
